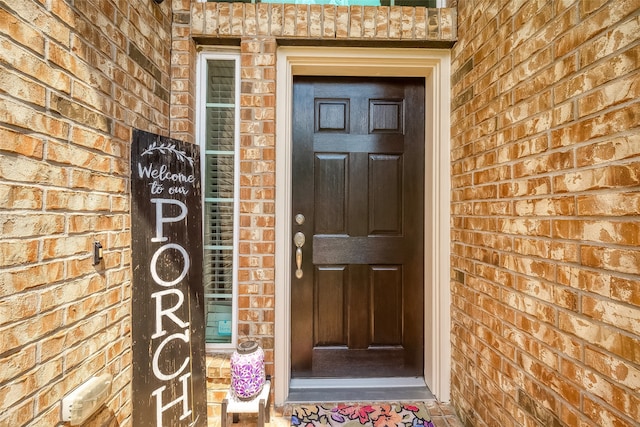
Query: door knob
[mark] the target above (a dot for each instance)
(298, 240)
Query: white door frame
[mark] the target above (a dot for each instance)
(434, 66)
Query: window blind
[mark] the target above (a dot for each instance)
(218, 189)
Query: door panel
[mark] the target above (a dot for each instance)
(358, 179)
(329, 295)
(385, 194)
(386, 295)
(330, 179)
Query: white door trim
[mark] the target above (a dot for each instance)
(434, 66)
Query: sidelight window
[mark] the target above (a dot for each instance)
(218, 115)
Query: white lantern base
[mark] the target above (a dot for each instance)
(258, 405)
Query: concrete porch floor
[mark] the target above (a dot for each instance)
(442, 415)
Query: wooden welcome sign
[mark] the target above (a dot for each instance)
(167, 296)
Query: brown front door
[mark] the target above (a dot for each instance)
(358, 181)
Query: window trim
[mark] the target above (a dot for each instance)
(201, 84)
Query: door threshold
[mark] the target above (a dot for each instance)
(307, 390)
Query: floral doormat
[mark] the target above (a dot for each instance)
(376, 415)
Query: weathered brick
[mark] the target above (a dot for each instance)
(625, 290)
(614, 368)
(602, 336)
(342, 22)
(262, 19)
(613, 313)
(198, 18)
(289, 19)
(96, 181)
(24, 61)
(20, 197)
(548, 334)
(619, 148)
(545, 207)
(28, 331)
(605, 71)
(562, 118)
(611, 41)
(599, 386)
(20, 143)
(614, 203)
(20, 31)
(20, 115)
(623, 233)
(76, 201)
(32, 225)
(530, 266)
(602, 415)
(313, 21)
(407, 23)
(73, 155)
(277, 19)
(593, 24)
(20, 413)
(608, 177)
(621, 260)
(606, 96)
(249, 22)
(540, 18)
(18, 252)
(302, 21)
(19, 87)
(95, 223)
(382, 22)
(447, 27)
(419, 24)
(532, 65)
(224, 19)
(544, 164)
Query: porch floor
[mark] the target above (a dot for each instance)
(442, 415)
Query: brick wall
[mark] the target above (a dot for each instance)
(545, 206)
(75, 77)
(257, 29)
(324, 23)
(546, 201)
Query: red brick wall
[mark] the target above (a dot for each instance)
(546, 190)
(257, 29)
(546, 201)
(75, 77)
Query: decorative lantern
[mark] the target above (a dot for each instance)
(247, 370)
